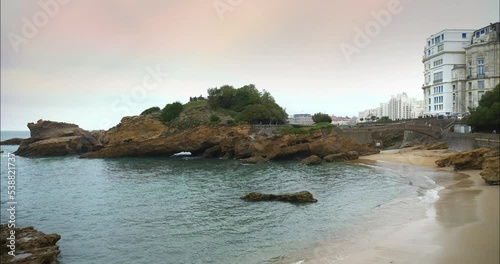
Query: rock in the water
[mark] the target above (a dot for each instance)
(300, 197)
(491, 171)
(57, 139)
(350, 155)
(31, 246)
(312, 160)
(472, 159)
(12, 141)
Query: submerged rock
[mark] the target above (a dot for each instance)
(300, 197)
(491, 171)
(312, 160)
(57, 139)
(12, 141)
(31, 246)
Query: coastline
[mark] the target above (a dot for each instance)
(459, 226)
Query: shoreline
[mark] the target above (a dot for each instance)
(460, 226)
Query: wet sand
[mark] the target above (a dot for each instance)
(462, 226)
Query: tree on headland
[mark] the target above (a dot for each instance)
(171, 111)
(151, 110)
(321, 118)
(487, 115)
(251, 105)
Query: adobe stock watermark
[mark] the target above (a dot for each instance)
(223, 6)
(153, 78)
(31, 27)
(364, 36)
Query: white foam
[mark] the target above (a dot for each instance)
(431, 195)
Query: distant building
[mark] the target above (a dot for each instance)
(399, 107)
(459, 67)
(301, 119)
(343, 121)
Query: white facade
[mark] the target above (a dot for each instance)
(444, 51)
(399, 107)
(301, 119)
(458, 73)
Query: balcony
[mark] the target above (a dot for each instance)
(437, 81)
(476, 76)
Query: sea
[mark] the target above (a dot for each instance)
(188, 210)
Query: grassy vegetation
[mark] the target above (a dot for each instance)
(194, 104)
(224, 106)
(298, 129)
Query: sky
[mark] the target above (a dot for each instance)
(91, 62)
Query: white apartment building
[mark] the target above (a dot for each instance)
(443, 51)
(399, 107)
(460, 66)
(301, 119)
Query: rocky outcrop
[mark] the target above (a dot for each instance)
(57, 139)
(300, 197)
(312, 160)
(491, 171)
(147, 136)
(472, 159)
(31, 246)
(350, 155)
(12, 141)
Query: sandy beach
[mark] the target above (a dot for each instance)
(461, 226)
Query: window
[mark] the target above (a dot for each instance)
(440, 47)
(438, 77)
(438, 62)
(464, 35)
(442, 36)
(428, 43)
(454, 87)
(429, 108)
(429, 100)
(480, 67)
(477, 34)
(432, 41)
(470, 69)
(482, 31)
(480, 84)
